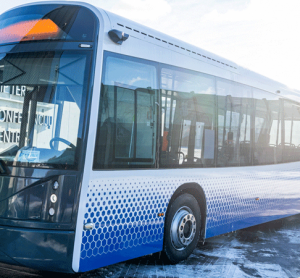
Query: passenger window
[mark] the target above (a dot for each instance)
(291, 132)
(187, 117)
(245, 143)
(234, 124)
(267, 128)
(126, 134)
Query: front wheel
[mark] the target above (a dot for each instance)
(182, 228)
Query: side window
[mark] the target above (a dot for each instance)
(187, 119)
(291, 132)
(267, 128)
(245, 141)
(126, 133)
(234, 124)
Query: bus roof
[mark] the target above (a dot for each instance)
(141, 32)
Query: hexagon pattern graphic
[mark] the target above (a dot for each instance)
(125, 210)
(125, 214)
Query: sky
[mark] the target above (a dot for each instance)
(261, 35)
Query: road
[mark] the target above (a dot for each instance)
(267, 250)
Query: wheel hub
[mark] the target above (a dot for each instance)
(183, 228)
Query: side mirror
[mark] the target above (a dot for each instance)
(117, 36)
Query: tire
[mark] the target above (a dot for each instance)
(182, 228)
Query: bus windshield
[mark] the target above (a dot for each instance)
(42, 96)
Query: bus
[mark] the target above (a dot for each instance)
(118, 141)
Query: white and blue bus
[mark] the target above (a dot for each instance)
(117, 141)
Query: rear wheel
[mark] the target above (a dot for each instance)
(182, 228)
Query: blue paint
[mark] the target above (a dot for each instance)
(125, 210)
(112, 257)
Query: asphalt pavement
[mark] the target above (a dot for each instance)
(267, 250)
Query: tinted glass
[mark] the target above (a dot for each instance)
(126, 134)
(245, 147)
(234, 124)
(229, 107)
(254, 127)
(187, 119)
(41, 107)
(267, 128)
(291, 132)
(47, 22)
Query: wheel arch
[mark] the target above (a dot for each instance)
(197, 191)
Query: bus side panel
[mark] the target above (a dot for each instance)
(125, 216)
(249, 196)
(125, 208)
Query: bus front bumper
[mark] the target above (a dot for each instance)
(48, 250)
